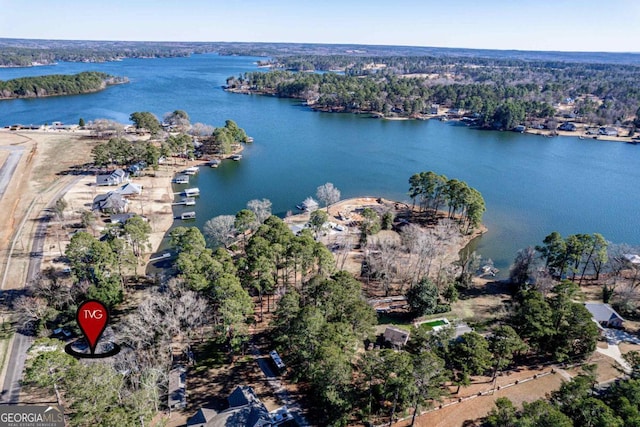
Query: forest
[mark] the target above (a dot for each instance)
(57, 84)
(28, 52)
(497, 93)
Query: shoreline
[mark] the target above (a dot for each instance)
(104, 86)
(346, 212)
(578, 133)
(155, 203)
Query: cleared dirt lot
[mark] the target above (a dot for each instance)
(38, 177)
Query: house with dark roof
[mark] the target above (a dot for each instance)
(396, 337)
(245, 410)
(111, 203)
(177, 396)
(567, 126)
(116, 177)
(604, 315)
(202, 417)
(608, 131)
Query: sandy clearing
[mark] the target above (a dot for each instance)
(477, 407)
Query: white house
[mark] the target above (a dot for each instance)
(604, 315)
(116, 177)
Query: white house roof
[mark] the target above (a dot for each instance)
(130, 188)
(632, 258)
(602, 312)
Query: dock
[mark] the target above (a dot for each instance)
(187, 201)
(191, 171)
(158, 258)
(214, 163)
(181, 179)
(191, 192)
(187, 215)
(236, 157)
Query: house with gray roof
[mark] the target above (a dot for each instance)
(130, 189)
(111, 203)
(396, 337)
(202, 417)
(116, 177)
(604, 315)
(177, 396)
(245, 410)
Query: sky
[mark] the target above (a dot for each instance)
(564, 25)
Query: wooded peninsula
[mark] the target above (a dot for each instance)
(57, 84)
(492, 93)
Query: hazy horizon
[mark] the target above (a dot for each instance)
(543, 25)
(319, 44)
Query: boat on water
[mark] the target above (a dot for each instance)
(249, 139)
(187, 215)
(236, 157)
(214, 163)
(191, 192)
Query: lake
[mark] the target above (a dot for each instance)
(532, 185)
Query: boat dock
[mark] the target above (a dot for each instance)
(187, 201)
(191, 171)
(187, 215)
(191, 192)
(181, 179)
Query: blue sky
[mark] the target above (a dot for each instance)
(568, 25)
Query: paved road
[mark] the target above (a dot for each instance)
(278, 389)
(11, 387)
(21, 342)
(7, 170)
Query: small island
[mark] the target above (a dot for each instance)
(58, 84)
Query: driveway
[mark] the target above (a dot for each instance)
(616, 336)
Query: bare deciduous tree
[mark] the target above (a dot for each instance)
(101, 128)
(200, 129)
(262, 208)
(30, 312)
(383, 262)
(344, 247)
(220, 230)
(328, 194)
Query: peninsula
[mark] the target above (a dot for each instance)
(544, 97)
(58, 84)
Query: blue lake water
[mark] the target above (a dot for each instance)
(532, 185)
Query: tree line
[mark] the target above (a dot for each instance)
(57, 84)
(498, 96)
